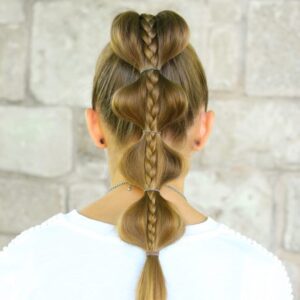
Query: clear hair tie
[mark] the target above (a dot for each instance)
(151, 68)
(156, 253)
(151, 189)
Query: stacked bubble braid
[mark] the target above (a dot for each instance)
(149, 79)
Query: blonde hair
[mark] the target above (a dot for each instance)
(165, 100)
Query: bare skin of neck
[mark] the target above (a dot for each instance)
(109, 208)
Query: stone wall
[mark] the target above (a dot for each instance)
(247, 176)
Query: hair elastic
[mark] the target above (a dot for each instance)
(152, 253)
(151, 68)
(153, 131)
(151, 189)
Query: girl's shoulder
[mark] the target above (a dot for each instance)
(263, 269)
(29, 236)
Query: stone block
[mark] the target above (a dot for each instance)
(273, 47)
(238, 197)
(13, 49)
(292, 192)
(25, 203)
(262, 134)
(94, 169)
(12, 11)
(225, 11)
(223, 58)
(223, 44)
(36, 140)
(66, 40)
(83, 194)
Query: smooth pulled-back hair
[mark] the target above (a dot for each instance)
(165, 100)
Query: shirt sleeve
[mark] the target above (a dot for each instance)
(278, 283)
(16, 269)
(266, 278)
(19, 277)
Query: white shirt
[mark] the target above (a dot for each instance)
(70, 256)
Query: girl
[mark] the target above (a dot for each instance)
(142, 240)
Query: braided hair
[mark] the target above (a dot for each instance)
(165, 98)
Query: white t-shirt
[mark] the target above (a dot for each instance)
(71, 257)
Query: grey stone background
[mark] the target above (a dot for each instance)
(247, 176)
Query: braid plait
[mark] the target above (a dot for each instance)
(150, 45)
(149, 86)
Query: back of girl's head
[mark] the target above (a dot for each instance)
(165, 100)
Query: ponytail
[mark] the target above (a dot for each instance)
(143, 86)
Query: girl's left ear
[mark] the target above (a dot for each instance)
(207, 120)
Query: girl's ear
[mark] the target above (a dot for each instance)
(206, 124)
(94, 128)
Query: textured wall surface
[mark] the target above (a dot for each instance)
(247, 176)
